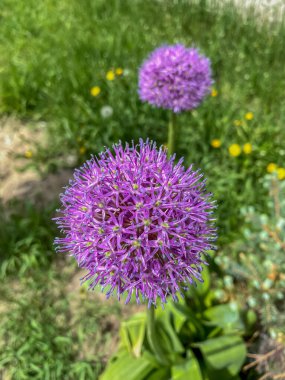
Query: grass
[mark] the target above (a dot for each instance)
(51, 54)
(53, 333)
(26, 235)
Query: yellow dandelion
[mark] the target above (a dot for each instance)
(271, 167)
(237, 123)
(235, 150)
(82, 150)
(28, 154)
(110, 75)
(214, 92)
(216, 143)
(248, 116)
(247, 148)
(119, 71)
(95, 91)
(281, 173)
(280, 338)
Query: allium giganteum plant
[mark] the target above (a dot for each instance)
(137, 222)
(175, 77)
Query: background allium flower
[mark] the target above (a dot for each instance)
(175, 77)
(137, 222)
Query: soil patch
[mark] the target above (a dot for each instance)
(18, 142)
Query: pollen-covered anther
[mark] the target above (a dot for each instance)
(136, 243)
(139, 205)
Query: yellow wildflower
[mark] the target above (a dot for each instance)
(235, 150)
(214, 92)
(281, 173)
(95, 91)
(216, 143)
(110, 75)
(248, 116)
(247, 148)
(280, 338)
(82, 150)
(119, 71)
(237, 123)
(271, 167)
(28, 154)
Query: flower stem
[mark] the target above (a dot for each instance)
(152, 337)
(172, 134)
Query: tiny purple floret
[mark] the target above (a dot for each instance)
(175, 77)
(138, 222)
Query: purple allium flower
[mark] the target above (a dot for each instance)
(175, 77)
(137, 222)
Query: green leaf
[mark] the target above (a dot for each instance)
(165, 344)
(133, 333)
(217, 331)
(188, 370)
(225, 352)
(165, 320)
(160, 374)
(225, 316)
(179, 317)
(126, 366)
(193, 321)
(151, 358)
(203, 287)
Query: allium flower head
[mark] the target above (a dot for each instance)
(175, 77)
(137, 222)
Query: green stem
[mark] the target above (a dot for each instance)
(152, 336)
(172, 134)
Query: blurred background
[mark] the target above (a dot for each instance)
(68, 87)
